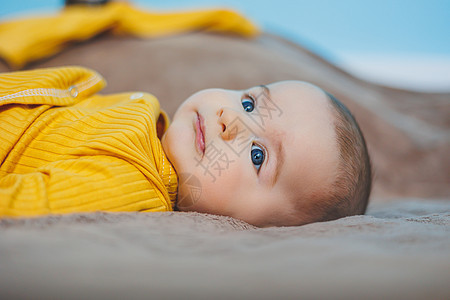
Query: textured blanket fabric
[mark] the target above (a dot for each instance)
(398, 250)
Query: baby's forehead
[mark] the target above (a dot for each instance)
(298, 88)
(306, 132)
(289, 103)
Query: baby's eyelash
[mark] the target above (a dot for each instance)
(248, 102)
(249, 96)
(253, 98)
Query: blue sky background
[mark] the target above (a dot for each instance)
(396, 42)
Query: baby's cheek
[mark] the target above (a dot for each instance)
(198, 192)
(218, 196)
(189, 192)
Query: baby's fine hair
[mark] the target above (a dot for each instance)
(349, 194)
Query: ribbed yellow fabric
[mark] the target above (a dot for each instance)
(24, 41)
(64, 148)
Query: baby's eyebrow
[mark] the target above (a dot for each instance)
(266, 91)
(279, 150)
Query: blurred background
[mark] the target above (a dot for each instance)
(398, 43)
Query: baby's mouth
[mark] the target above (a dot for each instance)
(200, 134)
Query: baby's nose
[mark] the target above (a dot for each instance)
(231, 123)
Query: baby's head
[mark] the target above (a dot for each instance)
(277, 155)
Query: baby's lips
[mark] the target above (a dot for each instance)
(200, 134)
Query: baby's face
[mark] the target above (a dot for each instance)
(253, 154)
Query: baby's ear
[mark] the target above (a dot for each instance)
(160, 126)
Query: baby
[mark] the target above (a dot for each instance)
(278, 155)
(283, 154)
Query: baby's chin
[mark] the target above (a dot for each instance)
(168, 142)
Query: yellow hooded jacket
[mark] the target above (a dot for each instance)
(65, 149)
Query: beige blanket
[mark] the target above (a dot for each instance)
(399, 250)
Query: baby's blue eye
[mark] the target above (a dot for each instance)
(257, 155)
(248, 104)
